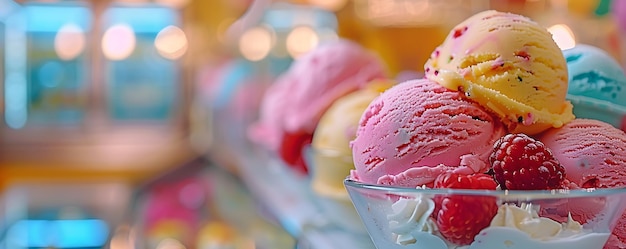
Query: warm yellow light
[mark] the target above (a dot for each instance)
(118, 42)
(222, 28)
(256, 43)
(301, 40)
(170, 244)
(331, 5)
(120, 242)
(69, 42)
(563, 36)
(401, 13)
(123, 238)
(174, 3)
(131, 1)
(171, 42)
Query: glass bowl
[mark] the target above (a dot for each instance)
(397, 217)
(328, 169)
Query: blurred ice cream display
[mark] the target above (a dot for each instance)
(151, 123)
(294, 104)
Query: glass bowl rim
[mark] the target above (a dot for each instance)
(521, 194)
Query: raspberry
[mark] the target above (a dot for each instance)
(520, 162)
(291, 150)
(458, 181)
(461, 217)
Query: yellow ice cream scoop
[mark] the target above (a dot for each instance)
(508, 64)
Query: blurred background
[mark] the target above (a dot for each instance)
(120, 119)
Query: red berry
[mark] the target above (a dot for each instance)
(459, 181)
(461, 217)
(520, 162)
(291, 150)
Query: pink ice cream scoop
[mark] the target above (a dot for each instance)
(294, 104)
(593, 154)
(417, 130)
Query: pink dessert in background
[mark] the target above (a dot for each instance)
(294, 104)
(418, 129)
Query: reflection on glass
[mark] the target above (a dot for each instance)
(142, 85)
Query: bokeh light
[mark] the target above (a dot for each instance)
(118, 42)
(174, 3)
(69, 42)
(170, 243)
(171, 42)
(301, 40)
(51, 74)
(563, 36)
(331, 5)
(256, 43)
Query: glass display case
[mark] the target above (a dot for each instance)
(200, 205)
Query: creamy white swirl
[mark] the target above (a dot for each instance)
(411, 216)
(526, 219)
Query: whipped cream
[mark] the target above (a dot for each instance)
(411, 218)
(526, 219)
(511, 238)
(513, 227)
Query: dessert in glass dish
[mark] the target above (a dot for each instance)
(329, 157)
(485, 151)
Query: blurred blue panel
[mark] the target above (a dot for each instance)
(58, 233)
(50, 18)
(142, 19)
(7, 7)
(2, 70)
(56, 88)
(142, 89)
(282, 16)
(144, 86)
(81, 233)
(240, 71)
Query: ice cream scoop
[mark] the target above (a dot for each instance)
(294, 104)
(594, 155)
(597, 85)
(510, 65)
(331, 152)
(417, 130)
(593, 152)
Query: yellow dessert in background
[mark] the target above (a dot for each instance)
(332, 155)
